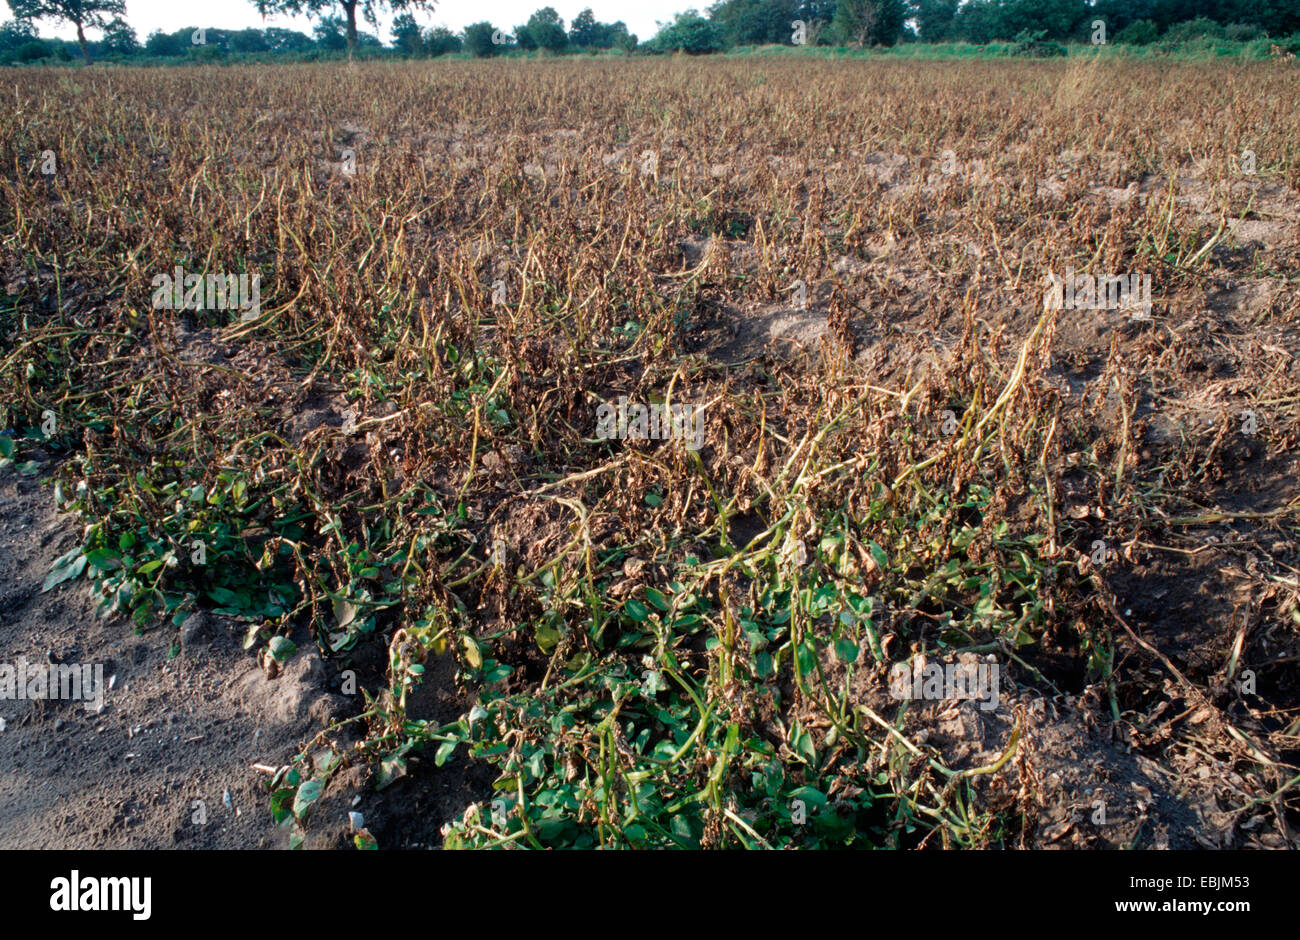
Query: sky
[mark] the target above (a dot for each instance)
(145, 16)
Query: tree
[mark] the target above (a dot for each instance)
(18, 43)
(120, 38)
(690, 33)
(589, 33)
(82, 14)
(406, 35)
(440, 41)
(816, 13)
(14, 33)
(935, 19)
(1058, 19)
(32, 51)
(981, 21)
(1202, 27)
(349, 8)
(248, 40)
(328, 34)
(286, 40)
(478, 39)
(1117, 14)
(1277, 17)
(755, 22)
(159, 43)
(869, 22)
(1138, 33)
(547, 30)
(856, 19)
(584, 33)
(523, 40)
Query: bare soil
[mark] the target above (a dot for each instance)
(170, 760)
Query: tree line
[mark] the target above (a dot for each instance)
(727, 24)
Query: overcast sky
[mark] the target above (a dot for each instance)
(168, 15)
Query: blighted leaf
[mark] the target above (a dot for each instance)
(344, 612)
(307, 795)
(547, 637)
(472, 653)
(325, 763)
(65, 568)
(390, 769)
(281, 648)
(364, 841)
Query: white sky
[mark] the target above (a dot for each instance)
(168, 15)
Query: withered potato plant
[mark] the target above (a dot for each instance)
(909, 457)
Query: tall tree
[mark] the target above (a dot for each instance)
(980, 21)
(249, 40)
(349, 8)
(159, 43)
(120, 38)
(587, 32)
(478, 39)
(1060, 19)
(547, 30)
(286, 40)
(18, 42)
(690, 33)
(754, 22)
(83, 14)
(869, 22)
(524, 39)
(406, 35)
(934, 19)
(440, 41)
(329, 34)
(584, 31)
